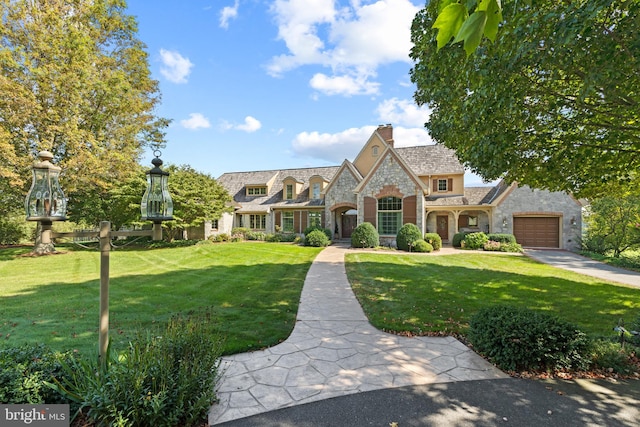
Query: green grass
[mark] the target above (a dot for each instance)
(628, 259)
(254, 289)
(438, 294)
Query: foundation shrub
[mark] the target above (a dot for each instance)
(511, 247)
(458, 238)
(516, 338)
(316, 238)
(475, 240)
(240, 231)
(255, 235)
(434, 240)
(421, 245)
(365, 235)
(492, 246)
(326, 231)
(609, 354)
(502, 237)
(407, 236)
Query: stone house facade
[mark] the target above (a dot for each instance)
(389, 186)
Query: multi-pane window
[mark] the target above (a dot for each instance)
(287, 222)
(315, 219)
(389, 215)
(315, 190)
(258, 222)
(289, 192)
(256, 191)
(214, 224)
(442, 185)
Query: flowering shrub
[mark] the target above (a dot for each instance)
(492, 246)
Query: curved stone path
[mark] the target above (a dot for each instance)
(334, 351)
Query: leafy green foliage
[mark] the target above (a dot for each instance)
(608, 354)
(166, 378)
(407, 236)
(613, 225)
(421, 245)
(502, 237)
(13, 230)
(326, 231)
(434, 240)
(458, 238)
(24, 371)
(475, 240)
(517, 338)
(552, 103)
(316, 238)
(365, 235)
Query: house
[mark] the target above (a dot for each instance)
(389, 186)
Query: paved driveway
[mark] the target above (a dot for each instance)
(580, 264)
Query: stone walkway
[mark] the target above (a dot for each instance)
(334, 351)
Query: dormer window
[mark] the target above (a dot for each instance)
(289, 192)
(442, 185)
(256, 191)
(315, 191)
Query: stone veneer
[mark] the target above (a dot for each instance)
(340, 193)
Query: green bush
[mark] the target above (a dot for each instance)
(221, 237)
(517, 338)
(240, 231)
(327, 232)
(492, 246)
(25, 370)
(434, 240)
(607, 354)
(475, 240)
(255, 235)
(407, 235)
(166, 378)
(288, 237)
(458, 238)
(421, 245)
(12, 230)
(502, 237)
(316, 238)
(511, 247)
(365, 235)
(273, 238)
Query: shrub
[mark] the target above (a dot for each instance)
(511, 247)
(422, 246)
(407, 235)
(475, 240)
(221, 237)
(25, 370)
(288, 237)
(240, 231)
(12, 230)
(365, 235)
(521, 339)
(502, 237)
(492, 246)
(607, 354)
(255, 235)
(165, 378)
(458, 238)
(434, 240)
(273, 238)
(316, 238)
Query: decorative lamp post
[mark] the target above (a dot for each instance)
(45, 201)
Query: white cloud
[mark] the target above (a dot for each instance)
(343, 85)
(195, 121)
(251, 124)
(353, 41)
(336, 147)
(227, 13)
(402, 112)
(175, 68)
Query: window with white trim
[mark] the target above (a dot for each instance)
(389, 215)
(315, 219)
(257, 222)
(315, 190)
(287, 222)
(256, 191)
(289, 192)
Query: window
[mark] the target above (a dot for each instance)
(442, 185)
(473, 221)
(389, 215)
(287, 222)
(315, 190)
(256, 191)
(258, 222)
(214, 224)
(374, 151)
(289, 192)
(315, 219)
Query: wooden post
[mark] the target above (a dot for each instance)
(105, 248)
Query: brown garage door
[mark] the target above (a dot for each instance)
(539, 232)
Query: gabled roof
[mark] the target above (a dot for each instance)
(346, 165)
(390, 152)
(431, 160)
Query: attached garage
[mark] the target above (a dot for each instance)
(538, 231)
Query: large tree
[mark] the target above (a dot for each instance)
(553, 102)
(74, 80)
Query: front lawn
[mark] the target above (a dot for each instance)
(437, 294)
(253, 288)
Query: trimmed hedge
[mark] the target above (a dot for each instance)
(326, 231)
(407, 236)
(316, 238)
(516, 338)
(422, 246)
(475, 240)
(365, 236)
(502, 237)
(434, 240)
(458, 238)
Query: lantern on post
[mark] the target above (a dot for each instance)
(156, 204)
(45, 201)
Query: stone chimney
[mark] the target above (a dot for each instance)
(386, 132)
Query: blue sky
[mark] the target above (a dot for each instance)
(254, 84)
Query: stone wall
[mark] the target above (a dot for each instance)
(340, 193)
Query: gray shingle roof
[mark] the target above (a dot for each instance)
(472, 196)
(431, 159)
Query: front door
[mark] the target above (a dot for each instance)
(443, 226)
(348, 225)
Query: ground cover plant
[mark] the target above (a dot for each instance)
(629, 259)
(253, 289)
(414, 294)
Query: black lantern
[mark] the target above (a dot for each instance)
(45, 201)
(156, 203)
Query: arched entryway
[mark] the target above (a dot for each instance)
(349, 221)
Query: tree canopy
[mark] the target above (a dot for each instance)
(553, 102)
(74, 80)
